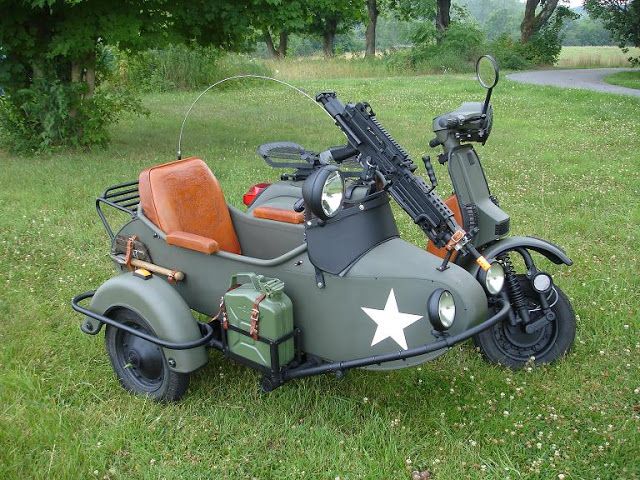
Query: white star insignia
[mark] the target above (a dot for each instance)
(391, 322)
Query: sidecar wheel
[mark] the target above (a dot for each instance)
(141, 366)
(511, 346)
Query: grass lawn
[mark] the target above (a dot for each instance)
(595, 57)
(565, 165)
(625, 79)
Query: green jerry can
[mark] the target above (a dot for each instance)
(271, 320)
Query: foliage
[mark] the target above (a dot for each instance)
(457, 50)
(586, 31)
(331, 17)
(56, 58)
(184, 67)
(53, 114)
(509, 53)
(621, 18)
(279, 18)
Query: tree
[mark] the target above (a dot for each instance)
(330, 17)
(370, 34)
(438, 11)
(279, 18)
(621, 18)
(549, 14)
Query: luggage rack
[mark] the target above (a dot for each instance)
(124, 197)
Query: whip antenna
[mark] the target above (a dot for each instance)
(237, 77)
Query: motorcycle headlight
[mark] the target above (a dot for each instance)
(323, 192)
(493, 279)
(441, 308)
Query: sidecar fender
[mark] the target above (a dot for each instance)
(160, 305)
(548, 249)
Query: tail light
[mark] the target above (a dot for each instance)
(253, 192)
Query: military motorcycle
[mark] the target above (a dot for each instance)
(313, 277)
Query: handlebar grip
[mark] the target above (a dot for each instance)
(434, 142)
(342, 153)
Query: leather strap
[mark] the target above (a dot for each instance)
(129, 253)
(255, 317)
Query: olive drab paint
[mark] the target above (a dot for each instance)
(274, 319)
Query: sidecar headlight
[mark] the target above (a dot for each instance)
(441, 309)
(493, 279)
(323, 192)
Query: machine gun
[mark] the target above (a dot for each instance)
(380, 151)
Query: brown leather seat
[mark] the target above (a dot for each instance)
(184, 200)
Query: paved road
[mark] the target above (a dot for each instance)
(589, 79)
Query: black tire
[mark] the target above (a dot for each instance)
(141, 366)
(512, 347)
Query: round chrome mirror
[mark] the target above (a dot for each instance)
(487, 71)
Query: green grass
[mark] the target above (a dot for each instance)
(625, 79)
(565, 166)
(595, 57)
(300, 68)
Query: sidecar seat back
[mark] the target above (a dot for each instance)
(184, 199)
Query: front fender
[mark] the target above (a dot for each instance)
(548, 249)
(160, 305)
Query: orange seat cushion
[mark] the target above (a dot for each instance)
(185, 197)
(193, 242)
(278, 214)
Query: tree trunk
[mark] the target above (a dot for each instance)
(90, 78)
(76, 72)
(370, 36)
(443, 15)
(529, 20)
(284, 43)
(270, 47)
(532, 23)
(76, 76)
(329, 37)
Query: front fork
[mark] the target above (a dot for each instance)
(519, 312)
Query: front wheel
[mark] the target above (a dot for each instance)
(512, 346)
(141, 366)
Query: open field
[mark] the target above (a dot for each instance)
(594, 57)
(558, 167)
(625, 79)
(300, 68)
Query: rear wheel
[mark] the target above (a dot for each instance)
(512, 346)
(141, 366)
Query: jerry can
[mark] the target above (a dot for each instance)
(259, 314)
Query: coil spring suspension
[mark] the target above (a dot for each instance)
(516, 295)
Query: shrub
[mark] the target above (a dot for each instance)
(184, 67)
(52, 114)
(509, 53)
(456, 51)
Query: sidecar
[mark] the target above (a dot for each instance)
(359, 295)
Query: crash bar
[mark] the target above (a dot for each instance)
(207, 339)
(445, 342)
